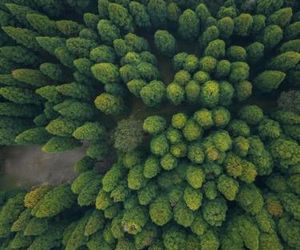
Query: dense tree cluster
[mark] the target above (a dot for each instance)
(59, 73)
(193, 190)
(200, 161)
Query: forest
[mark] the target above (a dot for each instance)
(189, 111)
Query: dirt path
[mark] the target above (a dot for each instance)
(28, 165)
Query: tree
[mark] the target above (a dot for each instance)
(189, 25)
(223, 69)
(75, 90)
(259, 23)
(211, 33)
(153, 93)
(209, 94)
(243, 90)
(255, 52)
(179, 60)
(103, 54)
(135, 86)
(80, 47)
(89, 131)
(154, 124)
(269, 80)
(175, 93)
(108, 32)
(129, 72)
(106, 73)
(54, 202)
(50, 44)
(60, 144)
(182, 77)
(64, 56)
(37, 135)
(281, 17)
(20, 95)
(268, 6)
(289, 101)
(292, 45)
(23, 37)
(239, 71)
(10, 213)
(120, 16)
(76, 110)
(272, 35)
(136, 43)
(62, 127)
(285, 61)
(139, 14)
(77, 238)
(147, 71)
(97, 150)
(68, 27)
(207, 64)
(214, 212)
(243, 24)
(226, 27)
(192, 91)
(36, 227)
(236, 53)
(203, 13)
(160, 211)
(252, 114)
(33, 197)
(216, 49)
(50, 93)
(49, 239)
(31, 77)
(90, 20)
(109, 104)
(128, 135)
(53, 71)
(42, 24)
(19, 12)
(17, 110)
(157, 10)
(165, 42)
(292, 30)
(19, 55)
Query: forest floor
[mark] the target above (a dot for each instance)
(26, 166)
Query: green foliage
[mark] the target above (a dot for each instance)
(30, 76)
(22, 36)
(160, 211)
(60, 144)
(89, 131)
(128, 135)
(106, 73)
(76, 110)
(188, 25)
(153, 93)
(183, 151)
(165, 42)
(10, 213)
(55, 201)
(19, 55)
(271, 36)
(157, 10)
(269, 80)
(37, 135)
(42, 24)
(108, 31)
(109, 104)
(154, 124)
